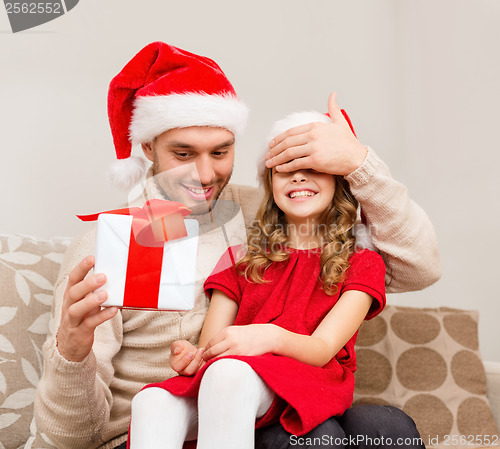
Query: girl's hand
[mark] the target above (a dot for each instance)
(253, 339)
(185, 359)
(325, 147)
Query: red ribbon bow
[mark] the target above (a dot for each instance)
(156, 222)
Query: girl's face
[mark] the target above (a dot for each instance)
(303, 195)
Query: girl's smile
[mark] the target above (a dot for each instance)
(303, 195)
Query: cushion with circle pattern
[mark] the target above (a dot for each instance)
(426, 361)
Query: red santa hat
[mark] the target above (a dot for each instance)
(161, 88)
(291, 121)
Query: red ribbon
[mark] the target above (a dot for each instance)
(153, 224)
(150, 225)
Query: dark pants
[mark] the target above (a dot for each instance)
(362, 427)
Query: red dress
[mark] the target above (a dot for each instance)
(295, 300)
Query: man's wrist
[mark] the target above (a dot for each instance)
(70, 356)
(62, 365)
(364, 174)
(358, 157)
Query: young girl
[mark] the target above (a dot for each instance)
(278, 339)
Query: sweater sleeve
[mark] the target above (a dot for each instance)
(400, 229)
(73, 399)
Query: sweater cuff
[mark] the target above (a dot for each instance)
(368, 168)
(62, 366)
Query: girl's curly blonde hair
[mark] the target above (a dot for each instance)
(267, 237)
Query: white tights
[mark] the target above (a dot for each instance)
(231, 397)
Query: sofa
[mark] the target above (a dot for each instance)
(425, 361)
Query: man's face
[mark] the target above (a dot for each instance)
(192, 165)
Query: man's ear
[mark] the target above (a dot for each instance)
(148, 150)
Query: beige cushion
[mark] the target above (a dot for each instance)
(427, 362)
(28, 271)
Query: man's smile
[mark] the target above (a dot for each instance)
(199, 193)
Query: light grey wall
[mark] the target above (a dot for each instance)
(419, 79)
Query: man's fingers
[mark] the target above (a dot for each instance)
(77, 312)
(79, 286)
(80, 271)
(288, 155)
(193, 366)
(302, 163)
(178, 364)
(288, 134)
(176, 347)
(80, 290)
(181, 361)
(293, 140)
(333, 108)
(92, 321)
(338, 115)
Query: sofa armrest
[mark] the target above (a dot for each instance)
(493, 378)
(28, 273)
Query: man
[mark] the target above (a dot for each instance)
(186, 115)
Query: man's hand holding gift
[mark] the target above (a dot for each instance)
(81, 311)
(143, 258)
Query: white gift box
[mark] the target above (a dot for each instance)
(178, 266)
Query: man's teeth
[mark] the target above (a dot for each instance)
(301, 194)
(199, 191)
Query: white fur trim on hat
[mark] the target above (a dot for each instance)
(126, 173)
(290, 121)
(154, 115)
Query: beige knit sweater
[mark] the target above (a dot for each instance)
(87, 404)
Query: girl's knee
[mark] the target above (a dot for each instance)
(150, 398)
(228, 374)
(230, 382)
(234, 381)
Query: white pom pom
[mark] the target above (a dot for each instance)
(363, 238)
(125, 173)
